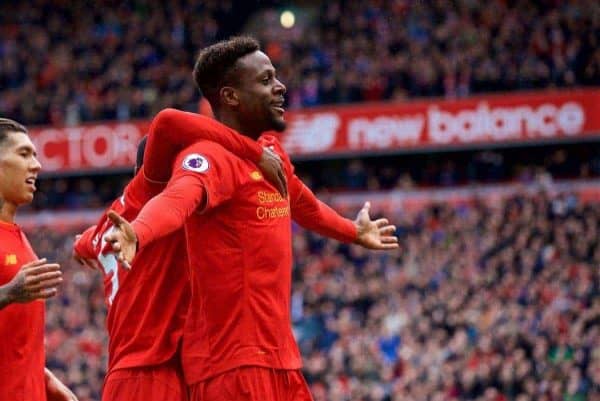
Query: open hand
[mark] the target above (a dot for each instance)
(35, 280)
(122, 239)
(272, 168)
(376, 234)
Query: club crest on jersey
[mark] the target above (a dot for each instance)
(10, 259)
(196, 163)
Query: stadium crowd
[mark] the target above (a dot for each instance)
(483, 302)
(377, 173)
(123, 60)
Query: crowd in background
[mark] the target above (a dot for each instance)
(67, 62)
(371, 50)
(64, 62)
(482, 303)
(524, 165)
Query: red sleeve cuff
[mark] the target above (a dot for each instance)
(83, 246)
(350, 234)
(143, 233)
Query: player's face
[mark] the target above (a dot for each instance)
(261, 94)
(19, 168)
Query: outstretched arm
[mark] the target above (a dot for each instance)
(314, 215)
(203, 177)
(161, 216)
(311, 213)
(173, 130)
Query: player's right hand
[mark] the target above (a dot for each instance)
(35, 280)
(123, 239)
(374, 234)
(272, 168)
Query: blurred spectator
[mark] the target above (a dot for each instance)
(482, 303)
(370, 50)
(106, 60)
(124, 60)
(525, 165)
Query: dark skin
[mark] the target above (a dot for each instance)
(254, 104)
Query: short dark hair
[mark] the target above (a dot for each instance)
(7, 125)
(216, 63)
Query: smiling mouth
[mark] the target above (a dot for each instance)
(279, 108)
(31, 181)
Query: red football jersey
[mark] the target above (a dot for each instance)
(22, 355)
(240, 253)
(147, 305)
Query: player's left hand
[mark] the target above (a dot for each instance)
(376, 234)
(56, 390)
(123, 239)
(272, 167)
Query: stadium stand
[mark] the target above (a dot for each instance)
(123, 60)
(523, 165)
(486, 301)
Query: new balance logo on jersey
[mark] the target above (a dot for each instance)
(10, 260)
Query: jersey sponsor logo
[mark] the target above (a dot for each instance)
(269, 197)
(271, 211)
(256, 175)
(196, 163)
(10, 259)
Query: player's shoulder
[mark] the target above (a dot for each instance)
(272, 141)
(211, 148)
(268, 139)
(202, 154)
(168, 115)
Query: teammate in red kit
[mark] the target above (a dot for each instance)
(238, 342)
(25, 281)
(147, 305)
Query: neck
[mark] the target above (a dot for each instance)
(7, 211)
(232, 121)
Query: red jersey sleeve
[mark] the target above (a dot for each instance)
(307, 210)
(83, 247)
(203, 177)
(311, 213)
(173, 130)
(140, 190)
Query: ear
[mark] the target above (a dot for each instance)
(229, 96)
